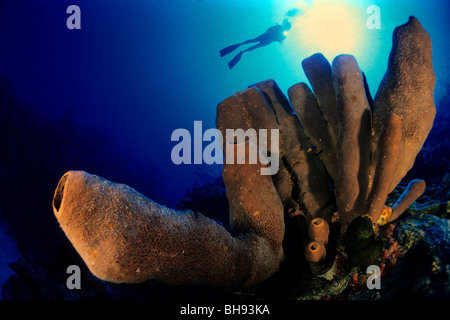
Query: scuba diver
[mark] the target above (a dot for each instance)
(274, 33)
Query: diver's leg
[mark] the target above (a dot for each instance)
(233, 47)
(256, 46)
(251, 41)
(235, 60)
(238, 57)
(229, 49)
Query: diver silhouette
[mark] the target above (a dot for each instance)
(274, 33)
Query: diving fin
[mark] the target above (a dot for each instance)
(235, 60)
(229, 49)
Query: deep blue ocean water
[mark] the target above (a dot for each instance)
(138, 70)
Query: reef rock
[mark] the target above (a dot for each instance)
(423, 272)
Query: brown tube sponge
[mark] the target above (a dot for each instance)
(357, 160)
(407, 90)
(315, 126)
(319, 230)
(301, 180)
(307, 172)
(354, 147)
(247, 109)
(389, 146)
(315, 252)
(413, 191)
(125, 237)
(255, 207)
(318, 71)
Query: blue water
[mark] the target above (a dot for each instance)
(138, 70)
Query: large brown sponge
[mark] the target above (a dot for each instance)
(338, 161)
(125, 237)
(353, 147)
(407, 90)
(375, 148)
(301, 181)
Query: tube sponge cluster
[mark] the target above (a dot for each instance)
(340, 154)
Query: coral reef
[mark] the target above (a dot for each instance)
(340, 155)
(424, 238)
